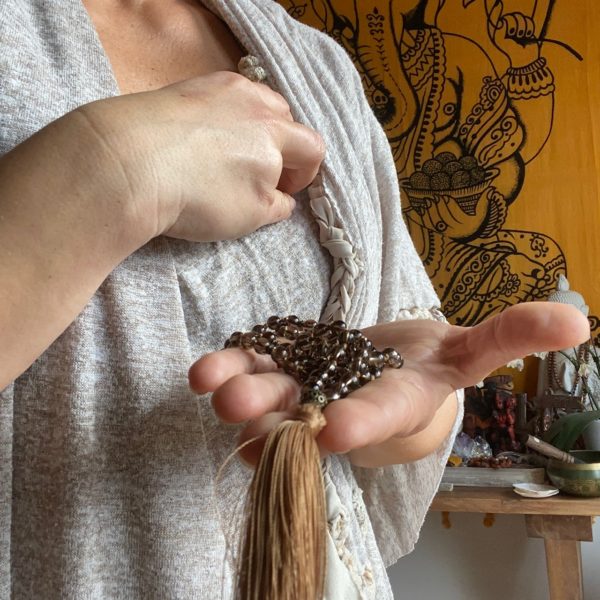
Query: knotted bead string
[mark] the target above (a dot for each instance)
(328, 360)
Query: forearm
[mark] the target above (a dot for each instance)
(398, 450)
(61, 232)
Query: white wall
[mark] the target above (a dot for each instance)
(473, 562)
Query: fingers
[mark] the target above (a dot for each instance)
(244, 397)
(279, 206)
(302, 148)
(272, 156)
(432, 217)
(214, 369)
(516, 332)
(236, 84)
(302, 151)
(529, 28)
(276, 102)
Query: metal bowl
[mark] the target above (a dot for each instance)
(577, 479)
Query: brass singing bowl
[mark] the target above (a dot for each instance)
(574, 478)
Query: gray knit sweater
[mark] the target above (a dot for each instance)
(107, 461)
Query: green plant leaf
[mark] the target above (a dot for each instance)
(564, 432)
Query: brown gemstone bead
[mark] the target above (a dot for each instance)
(377, 360)
(280, 353)
(393, 358)
(247, 340)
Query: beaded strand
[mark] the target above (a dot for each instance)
(327, 359)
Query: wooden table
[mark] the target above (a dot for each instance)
(562, 521)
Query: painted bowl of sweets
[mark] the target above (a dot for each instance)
(577, 479)
(445, 174)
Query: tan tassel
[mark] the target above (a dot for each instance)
(284, 548)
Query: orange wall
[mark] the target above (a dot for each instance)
(547, 227)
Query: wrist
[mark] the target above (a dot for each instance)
(107, 187)
(523, 55)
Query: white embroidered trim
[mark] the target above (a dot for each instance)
(518, 364)
(346, 264)
(432, 314)
(339, 534)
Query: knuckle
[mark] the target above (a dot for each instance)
(230, 79)
(219, 81)
(280, 101)
(274, 207)
(272, 161)
(269, 121)
(267, 199)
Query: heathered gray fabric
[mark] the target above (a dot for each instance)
(107, 461)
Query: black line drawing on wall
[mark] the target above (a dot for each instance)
(462, 135)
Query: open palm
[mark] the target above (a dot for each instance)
(439, 359)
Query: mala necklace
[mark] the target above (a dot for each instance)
(582, 357)
(284, 548)
(328, 360)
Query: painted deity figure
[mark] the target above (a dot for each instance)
(461, 136)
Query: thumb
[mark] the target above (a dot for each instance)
(279, 206)
(514, 333)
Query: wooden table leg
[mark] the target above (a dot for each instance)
(563, 562)
(562, 535)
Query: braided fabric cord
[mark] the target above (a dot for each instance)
(346, 264)
(250, 67)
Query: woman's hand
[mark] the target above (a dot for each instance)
(207, 159)
(210, 158)
(374, 422)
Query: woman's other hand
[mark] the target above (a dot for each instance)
(408, 412)
(211, 158)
